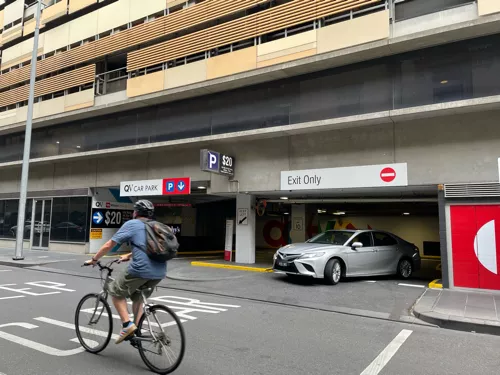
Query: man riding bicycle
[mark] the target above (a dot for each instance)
(142, 272)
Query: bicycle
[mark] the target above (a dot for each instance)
(100, 311)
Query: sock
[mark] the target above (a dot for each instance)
(125, 325)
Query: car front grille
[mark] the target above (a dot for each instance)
(288, 257)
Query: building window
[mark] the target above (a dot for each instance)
(70, 219)
(8, 218)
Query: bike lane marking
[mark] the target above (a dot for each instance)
(72, 327)
(35, 345)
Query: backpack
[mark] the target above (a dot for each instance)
(161, 243)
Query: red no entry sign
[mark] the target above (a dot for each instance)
(388, 174)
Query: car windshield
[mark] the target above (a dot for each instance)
(332, 237)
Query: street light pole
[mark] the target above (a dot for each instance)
(27, 141)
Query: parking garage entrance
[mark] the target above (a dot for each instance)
(410, 213)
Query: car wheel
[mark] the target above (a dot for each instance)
(405, 268)
(333, 272)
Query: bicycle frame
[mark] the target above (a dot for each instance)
(145, 306)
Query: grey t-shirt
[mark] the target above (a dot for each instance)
(142, 266)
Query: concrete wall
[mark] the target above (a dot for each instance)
(447, 149)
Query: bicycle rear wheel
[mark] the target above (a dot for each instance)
(163, 342)
(93, 323)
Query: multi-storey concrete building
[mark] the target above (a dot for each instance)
(337, 113)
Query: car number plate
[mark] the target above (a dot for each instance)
(283, 264)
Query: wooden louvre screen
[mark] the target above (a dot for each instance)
(60, 82)
(189, 17)
(272, 19)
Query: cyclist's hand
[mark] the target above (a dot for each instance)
(125, 258)
(90, 262)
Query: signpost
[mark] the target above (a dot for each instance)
(215, 162)
(166, 186)
(242, 216)
(363, 176)
(228, 249)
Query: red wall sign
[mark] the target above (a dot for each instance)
(177, 186)
(475, 238)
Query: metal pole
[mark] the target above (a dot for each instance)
(27, 141)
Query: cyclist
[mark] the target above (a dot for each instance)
(141, 272)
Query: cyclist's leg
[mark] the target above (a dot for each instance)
(136, 298)
(122, 288)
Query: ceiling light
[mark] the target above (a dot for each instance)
(444, 82)
(58, 142)
(78, 146)
(286, 213)
(201, 187)
(339, 213)
(284, 198)
(406, 213)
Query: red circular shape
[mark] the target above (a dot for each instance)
(388, 174)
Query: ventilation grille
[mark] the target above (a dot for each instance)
(480, 190)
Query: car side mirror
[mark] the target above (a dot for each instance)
(355, 245)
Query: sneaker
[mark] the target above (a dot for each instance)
(126, 332)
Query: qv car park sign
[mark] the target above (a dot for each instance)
(364, 176)
(166, 186)
(216, 162)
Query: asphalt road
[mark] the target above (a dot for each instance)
(382, 297)
(250, 337)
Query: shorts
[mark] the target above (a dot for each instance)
(125, 286)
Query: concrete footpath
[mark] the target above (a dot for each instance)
(460, 310)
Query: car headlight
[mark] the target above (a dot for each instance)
(275, 255)
(312, 255)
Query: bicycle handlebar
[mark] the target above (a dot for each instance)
(101, 267)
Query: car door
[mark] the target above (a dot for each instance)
(387, 254)
(362, 259)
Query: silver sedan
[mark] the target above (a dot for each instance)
(347, 253)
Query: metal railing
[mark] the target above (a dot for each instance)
(112, 81)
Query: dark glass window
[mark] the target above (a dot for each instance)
(8, 218)
(364, 238)
(417, 8)
(382, 239)
(70, 219)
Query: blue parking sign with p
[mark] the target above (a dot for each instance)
(170, 186)
(213, 161)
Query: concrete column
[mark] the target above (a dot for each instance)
(443, 240)
(245, 233)
(298, 231)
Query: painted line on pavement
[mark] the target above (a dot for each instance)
(230, 267)
(385, 356)
(72, 327)
(412, 285)
(5, 271)
(436, 284)
(370, 281)
(11, 297)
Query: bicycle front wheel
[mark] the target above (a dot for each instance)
(161, 339)
(93, 323)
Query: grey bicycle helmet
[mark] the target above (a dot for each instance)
(144, 208)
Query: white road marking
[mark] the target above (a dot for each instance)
(51, 285)
(11, 297)
(72, 327)
(35, 345)
(370, 281)
(412, 285)
(24, 290)
(385, 356)
(117, 317)
(5, 271)
(42, 257)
